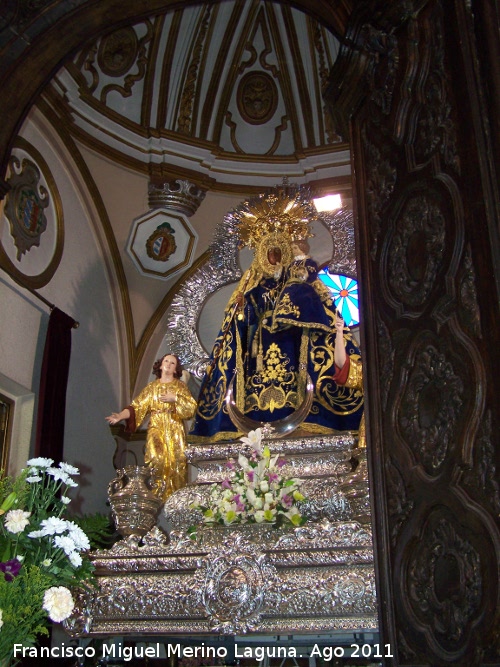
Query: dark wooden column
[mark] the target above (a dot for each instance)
(408, 86)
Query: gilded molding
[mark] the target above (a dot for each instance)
(190, 84)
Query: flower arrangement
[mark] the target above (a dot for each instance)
(42, 553)
(254, 492)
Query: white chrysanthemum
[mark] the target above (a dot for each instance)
(33, 479)
(58, 474)
(75, 559)
(37, 533)
(53, 525)
(1, 618)
(65, 543)
(68, 468)
(47, 562)
(16, 520)
(58, 603)
(78, 536)
(40, 462)
(65, 500)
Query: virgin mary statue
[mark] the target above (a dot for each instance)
(277, 337)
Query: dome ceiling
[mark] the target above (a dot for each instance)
(225, 94)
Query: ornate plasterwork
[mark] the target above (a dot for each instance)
(161, 243)
(257, 97)
(118, 51)
(218, 76)
(332, 132)
(179, 195)
(25, 204)
(185, 117)
(31, 248)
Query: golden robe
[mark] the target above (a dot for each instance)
(166, 436)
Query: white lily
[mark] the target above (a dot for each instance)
(243, 462)
(253, 439)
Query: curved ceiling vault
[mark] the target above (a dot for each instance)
(225, 94)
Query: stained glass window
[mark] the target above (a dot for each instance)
(345, 295)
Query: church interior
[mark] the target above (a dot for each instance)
(130, 135)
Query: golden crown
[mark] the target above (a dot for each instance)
(285, 210)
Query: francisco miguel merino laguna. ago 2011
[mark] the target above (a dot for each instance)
(128, 653)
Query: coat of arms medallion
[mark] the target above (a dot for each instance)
(25, 205)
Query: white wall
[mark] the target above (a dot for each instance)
(82, 287)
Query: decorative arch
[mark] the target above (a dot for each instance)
(46, 37)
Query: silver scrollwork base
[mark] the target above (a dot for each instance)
(317, 578)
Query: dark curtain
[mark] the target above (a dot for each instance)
(53, 383)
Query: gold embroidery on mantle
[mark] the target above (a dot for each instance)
(286, 307)
(275, 387)
(337, 400)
